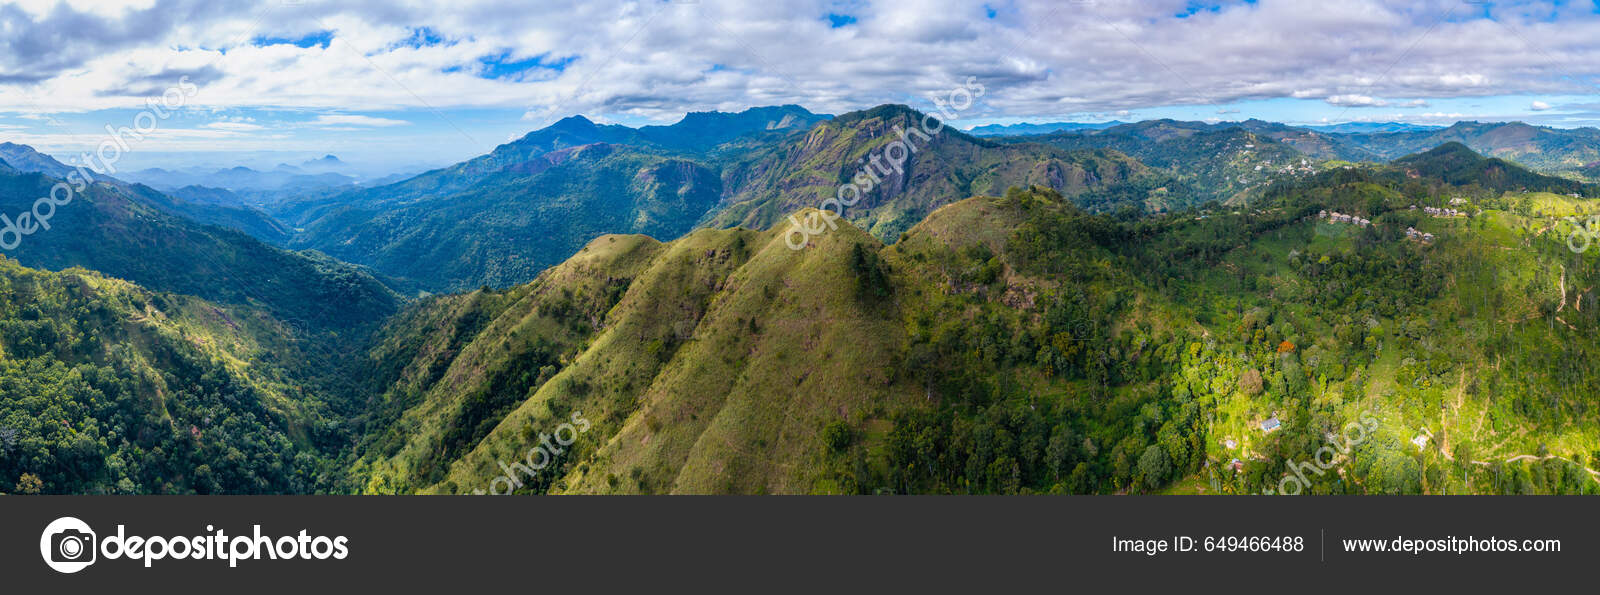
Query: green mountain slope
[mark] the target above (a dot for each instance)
(509, 227)
(765, 185)
(106, 387)
(110, 229)
(1456, 164)
(1547, 150)
(1020, 344)
(1207, 162)
(501, 218)
(251, 221)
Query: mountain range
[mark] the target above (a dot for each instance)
(605, 309)
(1045, 128)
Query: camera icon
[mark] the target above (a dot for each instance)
(72, 545)
(68, 545)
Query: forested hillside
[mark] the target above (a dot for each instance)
(1021, 344)
(112, 229)
(106, 387)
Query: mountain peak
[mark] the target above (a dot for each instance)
(27, 159)
(885, 111)
(1451, 148)
(324, 160)
(573, 122)
(1450, 155)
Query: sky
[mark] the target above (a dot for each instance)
(408, 84)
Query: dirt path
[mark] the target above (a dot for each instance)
(1444, 441)
(1515, 458)
(1455, 414)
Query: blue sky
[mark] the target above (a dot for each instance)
(410, 84)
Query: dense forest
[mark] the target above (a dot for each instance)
(109, 388)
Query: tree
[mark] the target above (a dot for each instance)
(837, 436)
(1058, 450)
(1395, 473)
(1155, 466)
(29, 484)
(1250, 382)
(871, 281)
(1463, 453)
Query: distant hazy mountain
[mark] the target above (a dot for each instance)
(25, 158)
(327, 163)
(1371, 127)
(221, 207)
(239, 179)
(122, 231)
(505, 226)
(1046, 128)
(502, 217)
(210, 206)
(1549, 150)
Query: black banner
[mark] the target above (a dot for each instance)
(821, 544)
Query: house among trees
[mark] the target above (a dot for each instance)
(1337, 217)
(1411, 232)
(1270, 425)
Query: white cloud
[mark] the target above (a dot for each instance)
(355, 120)
(234, 126)
(1365, 101)
(1539, 106)
(656, 60)
(1356, 101)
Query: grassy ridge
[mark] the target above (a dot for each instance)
(1019, 344)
